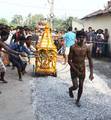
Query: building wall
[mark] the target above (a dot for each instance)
(77, 25)
(99, 22)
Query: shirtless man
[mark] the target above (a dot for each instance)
(76, 60)
(4, 33)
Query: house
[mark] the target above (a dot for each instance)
(100, 19)
(76, 23)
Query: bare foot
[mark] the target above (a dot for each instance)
(4, 81)
(20, 79)
(24, 72)
(71, 93)
(78, 104)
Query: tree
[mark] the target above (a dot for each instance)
(4, 21)
(61, 24)
(32, 20)
(17, 20)
(68, 22)
(57, 23)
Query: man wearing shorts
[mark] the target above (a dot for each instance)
(69, 38)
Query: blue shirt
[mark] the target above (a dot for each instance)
(19, 48)
(69, 38)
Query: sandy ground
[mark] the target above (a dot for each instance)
(15, 100)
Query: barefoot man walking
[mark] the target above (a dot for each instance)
(76, 59)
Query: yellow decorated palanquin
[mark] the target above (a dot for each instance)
(46, 54)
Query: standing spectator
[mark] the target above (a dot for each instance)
(75, 30)
(106, 38)
(89, 38)
(89, 35)
(35, 36)
(70, 38)
(94, 36)
(19, 32)
(100, 43)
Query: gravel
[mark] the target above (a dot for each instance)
(51, 101)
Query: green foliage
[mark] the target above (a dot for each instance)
(60, 24)
(68, 22)
(4, 21)
(32, 20)
(17, 20)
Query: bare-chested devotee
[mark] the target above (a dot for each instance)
(4, 33)
(76, 60)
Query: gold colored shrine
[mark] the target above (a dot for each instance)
(46, 55)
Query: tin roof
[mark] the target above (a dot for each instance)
(97, 13)
(100, 12)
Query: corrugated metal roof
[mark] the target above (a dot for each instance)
(97, 13)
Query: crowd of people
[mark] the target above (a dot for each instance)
(96, 40)
(99, 40)
(78, 45)
(15, 49)
(74, 47)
